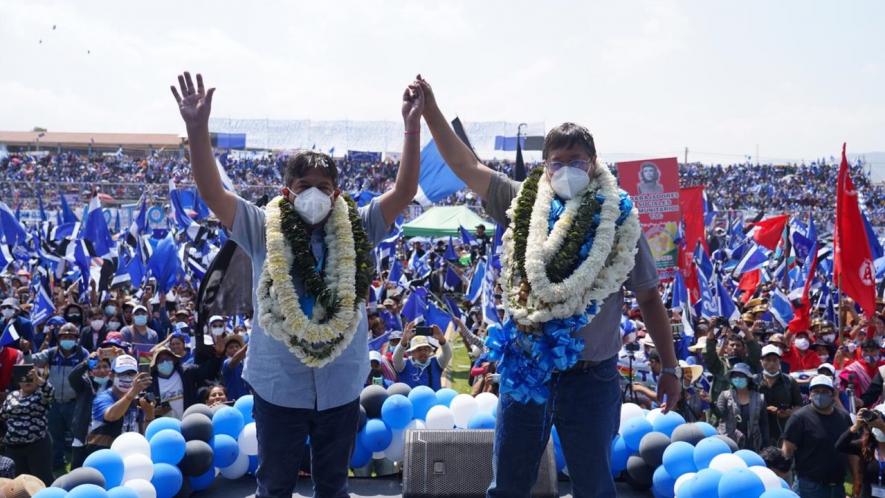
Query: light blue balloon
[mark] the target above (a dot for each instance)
(225, 450)
(633, 430)
(445, 396)
(360, 456)
(662, 483)
(620, 454)
(168, 446)
(244, 404)
(122, 492)
(423, 399)
(708, 448)
(397, 412)
(776, 493)
(706, 484)
(740, 483)
(666, 423)
(167, 480)
(481, 420)
(109, 463)
(679, 459)
(160, 424)
(706, 428)
(52, 493)
(228, 420)
(750, 457)
(375, 436)
(88, 491)
(203, 482)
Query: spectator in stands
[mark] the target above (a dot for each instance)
(422, 368)
(24, 414)
(122, 407)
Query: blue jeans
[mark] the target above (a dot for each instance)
(61, 415)
(585, 406)
(813, 489)
(282, 434)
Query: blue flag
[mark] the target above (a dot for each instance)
(704, 264)
(43, 216)
(436, 316)
(43, 307)
(466, 238)
(96, 229)
(709, 305)
(452, 278)
(727, 308)
(450, 251)
(479, 274)
(680, 292)
(780, 307)
(67, 215)
(755, 257)
(165, 264)
(182, 220)
(452, 305)
(10, 335)
(396, 272)
(415, 305)
(876, 249)
(13, 232)
(436, 181)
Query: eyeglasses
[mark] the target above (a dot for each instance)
(581, 164)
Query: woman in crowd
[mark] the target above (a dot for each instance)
(25, 415)
(174, 385)
(87, 379)
(866, 439)
(742, 410)
(213, 395)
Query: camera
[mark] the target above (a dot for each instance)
(632, 347)
(869, 416)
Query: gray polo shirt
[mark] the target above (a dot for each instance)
(270, 368)
(603, 335)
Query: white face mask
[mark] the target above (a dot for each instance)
(313, 205)
(8, 313)
(97, 324)
(114, 325)
(801, 343)
(569, 181)
(829, 338)
(879, 435)
(217, 330)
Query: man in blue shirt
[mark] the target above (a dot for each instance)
(294, 400)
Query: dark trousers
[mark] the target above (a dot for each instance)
(282, 436)
(34, 459)
(61, 416)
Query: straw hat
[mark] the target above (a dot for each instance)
(23, 486)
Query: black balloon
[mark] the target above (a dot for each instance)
(731, 444)
(197, 427)
(690, 433)
(197, 459)
(639, 474)
(76, 477)
(198, 408)
(399, 388)
(652, 447)
(185, 491)
(372, 398)
(363, 418)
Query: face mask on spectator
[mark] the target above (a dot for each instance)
(829, 338)
(140, 320)
(870, 359)
(114, 325)
(852, 347)
(124, 383)
(110, 310)
(67, 344)
(421, 364)
(821, 400)
(739, 382)
(73, 317)
(313, 205)
(771, 374)
(97, 324)
(879, 435)
(801, 343)
(165, 368)
(8, 313)
(101, 381)
(217, 330)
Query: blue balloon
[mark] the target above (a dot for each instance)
(88, 491)
(160, 424)
(228, 420)
(397, 411)
(376, 435)
(774, 493)
(253, 465)
(122, 492)
(785, 485)
(52, 493)
(168, 446)
(620, 454)
(706, 484)
(109, 463)
(361, 456)
(167, 480)
(633, 431)
(708, 448)
(679, 459)
(202, 482)
(445, 396)
(662, 483)
(423, 399)
(740, 483)
(225, 451)
(750, 457)
(244, 404)
(481, 420)
(667, 423)
(706, 428)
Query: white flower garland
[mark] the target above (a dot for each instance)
(279, 310)
(602, 273)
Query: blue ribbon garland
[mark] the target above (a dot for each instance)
(526, 362)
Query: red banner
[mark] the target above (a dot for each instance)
(654, 186)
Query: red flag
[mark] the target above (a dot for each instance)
(770, 231)
(802, 313)
(853, 269)
(749, 282)
(691, 207)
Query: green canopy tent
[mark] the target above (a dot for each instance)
(443, 221)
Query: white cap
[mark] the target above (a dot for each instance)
(829, 367)
(375, 356)
(821, 380)
(125, 363)
(771, 349)
(215, 318)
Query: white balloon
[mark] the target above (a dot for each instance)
(395, 449)
(143, 487)
(377, 455)
(629, 411)
(415, 424)
(131, 443)
(248, 440)
(237, 469)
(137, 467)
(440, 417)
(681, 480)
(767, 476)
(487, 402)
(464, 407)
(727, 461)
(652, 415)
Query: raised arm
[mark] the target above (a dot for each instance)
(457, 155)
(394, 201)
(195, 104)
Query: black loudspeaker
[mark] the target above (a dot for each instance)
(458, 464)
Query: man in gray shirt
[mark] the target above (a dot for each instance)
(585, 400)
(294, 401)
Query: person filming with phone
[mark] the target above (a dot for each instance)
(422, 368)
(122, 408)
(866, 440)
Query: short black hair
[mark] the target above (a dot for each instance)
(869, 344)
(774, 459)
(654, 356)
(567, 135)
(296, 166)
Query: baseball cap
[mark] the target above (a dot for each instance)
(138, 308)
(771, 349)
(215, 318)
(375, 356)
(396, 334)
(821, 380)
(125, 363)
(828, 367)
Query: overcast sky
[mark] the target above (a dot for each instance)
(795, 78)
